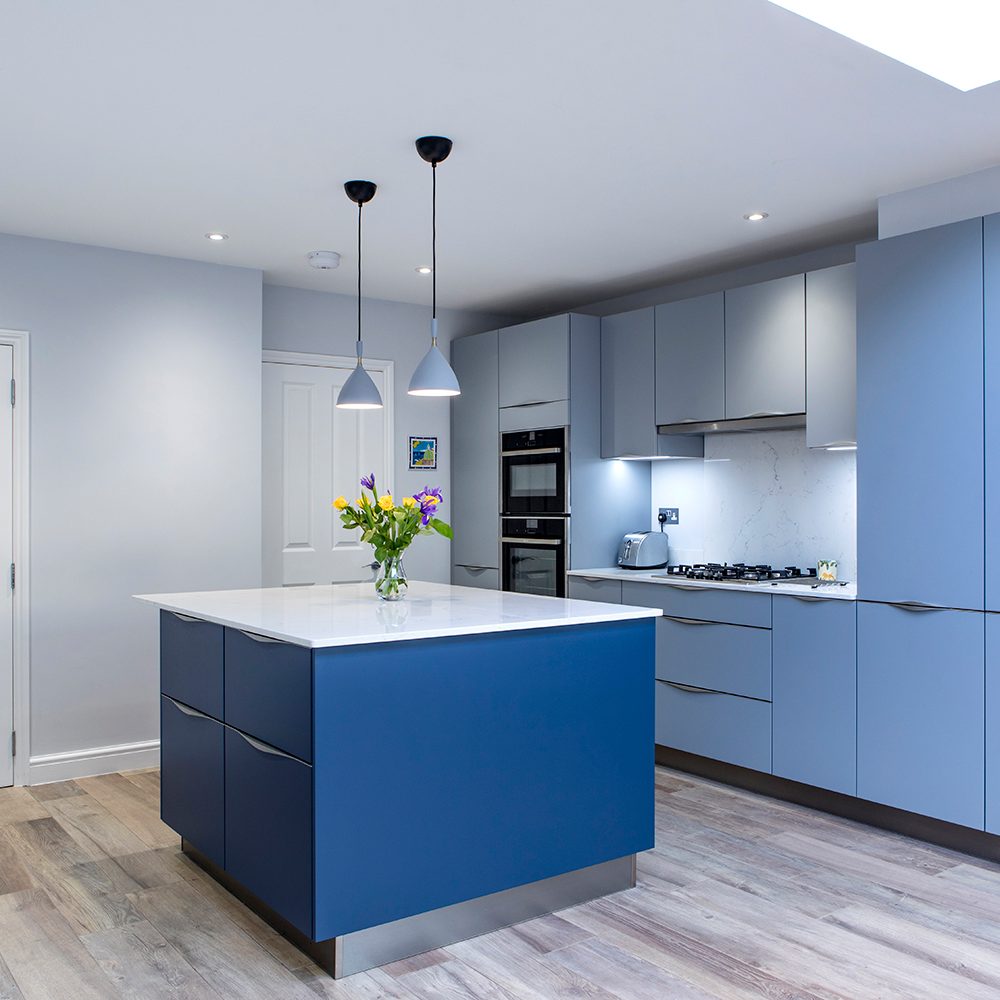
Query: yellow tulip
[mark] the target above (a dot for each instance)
(340, 503)
(385, 502)
(409, 502)
(361, 502)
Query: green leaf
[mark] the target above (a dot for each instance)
(442, 528)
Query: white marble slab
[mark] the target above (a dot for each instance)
(351, 615)
(833, 591)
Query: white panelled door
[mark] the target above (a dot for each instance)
(6, 560)
(312, 453)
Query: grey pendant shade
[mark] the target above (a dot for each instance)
(359, 392)
(434, 376)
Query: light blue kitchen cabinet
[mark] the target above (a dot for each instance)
(814, 692)
(710, 604)
(475, 450)
(993, 723)
(534, 362)
(691, 360)
(480, 577)
(592, 588)
(628, 391)
(920, 416)
(991, 354)
(921, 711)
(831, 357)
(766, 348)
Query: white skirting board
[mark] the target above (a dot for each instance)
(96, 760)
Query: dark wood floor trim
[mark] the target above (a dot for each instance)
(934, 831)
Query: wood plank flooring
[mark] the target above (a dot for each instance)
(743, 897)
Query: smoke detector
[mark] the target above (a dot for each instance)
(323, 260)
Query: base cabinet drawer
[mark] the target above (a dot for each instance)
(269, 815)
(734, 659)
(482, 577)
(815, 704)
(721, 726)
(192, 781)
(582, 588)
(191, 662)
(269, 691)
(729, 606)
(921, 711)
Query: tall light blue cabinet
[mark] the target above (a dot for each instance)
(991, 356)
(921, 710)
(920, 416)
(992, 723)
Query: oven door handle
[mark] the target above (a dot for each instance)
(531, 451)
(530, 541)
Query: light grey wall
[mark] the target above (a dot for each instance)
(313, 322)
(938, 204)
(145, 466)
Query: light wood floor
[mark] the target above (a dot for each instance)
(743, 897)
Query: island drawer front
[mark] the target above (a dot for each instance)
(191, 658)
(583, 588)
(721, 726)
(192, 754)
(269, 839)
(728, 606)
(734, 659)
(269, 691)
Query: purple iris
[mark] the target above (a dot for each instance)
(368, 482)
(429, 498)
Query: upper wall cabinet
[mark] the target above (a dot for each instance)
(831, 357)
(691, 360)
(766, 348)
(920, 416)
(475, 450)
(534, 362)
(991, 308)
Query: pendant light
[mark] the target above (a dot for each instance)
(359, 392)
(434, 376)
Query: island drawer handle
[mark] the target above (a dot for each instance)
(264, 748)
(260, 638)
(531, 541)
(689, 688)
(188, 710)
(184, 618)
(688, 621)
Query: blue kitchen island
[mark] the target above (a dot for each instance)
(378, 780)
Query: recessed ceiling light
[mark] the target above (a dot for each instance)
(755, 216)
(424, 269)
(953, 42)
(216, 237)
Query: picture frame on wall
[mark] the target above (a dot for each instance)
(423, 452)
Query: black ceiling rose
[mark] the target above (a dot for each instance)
(360, 192)
(434, 148)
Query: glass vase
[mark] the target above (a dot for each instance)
(390, 584)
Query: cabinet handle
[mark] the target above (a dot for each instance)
(761, 413)
(260, 638)
(688, 688)
(263, 747)
(688, 621)
(188, 710)
(184, 618)
(916, 606)
(471, 566)
(595, 579)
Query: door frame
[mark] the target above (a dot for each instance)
(19, 341)
(341, 361)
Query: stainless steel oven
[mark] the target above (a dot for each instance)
(533, 555)
(534, 477)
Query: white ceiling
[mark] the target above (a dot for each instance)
(600, 147)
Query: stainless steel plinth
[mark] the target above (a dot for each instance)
(365, 949)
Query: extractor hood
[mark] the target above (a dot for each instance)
(755, 422)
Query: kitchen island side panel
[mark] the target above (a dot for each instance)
(452, 768)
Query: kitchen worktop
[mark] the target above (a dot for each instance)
(351, 615)
(832, 591)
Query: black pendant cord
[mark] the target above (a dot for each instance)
(359, 272)
(434, 242)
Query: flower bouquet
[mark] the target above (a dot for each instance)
(390, 528)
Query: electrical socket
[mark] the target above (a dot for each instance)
(670, 515)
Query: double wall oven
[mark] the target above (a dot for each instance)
(534, 511)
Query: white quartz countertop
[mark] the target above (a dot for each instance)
(351, 615)
(832, 591)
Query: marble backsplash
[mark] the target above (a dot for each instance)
(761, 497)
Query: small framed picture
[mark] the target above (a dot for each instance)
(423, 453)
